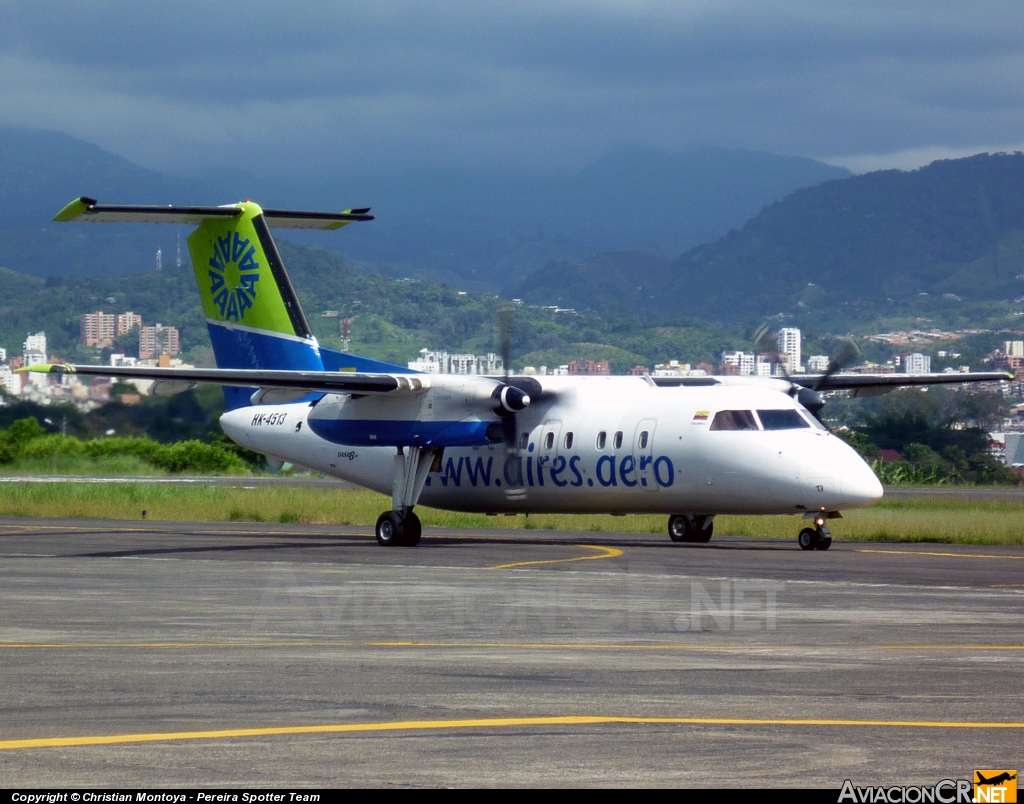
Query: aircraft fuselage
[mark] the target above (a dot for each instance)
(597, 445)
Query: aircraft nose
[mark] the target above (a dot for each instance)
(861, 486)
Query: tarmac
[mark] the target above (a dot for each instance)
(215, 655)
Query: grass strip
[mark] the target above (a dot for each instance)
(943, 520)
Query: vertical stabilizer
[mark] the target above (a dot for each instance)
(252, 311)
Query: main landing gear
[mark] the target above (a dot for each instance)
(401, 527)
(395, 530)
(691, 527)
(817, 538)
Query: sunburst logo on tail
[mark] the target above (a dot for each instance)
(234, 273)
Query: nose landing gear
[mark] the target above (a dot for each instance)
(691, 528)
(817, 538)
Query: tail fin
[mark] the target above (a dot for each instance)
(252, 311)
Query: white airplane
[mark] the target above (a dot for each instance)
(691, 448)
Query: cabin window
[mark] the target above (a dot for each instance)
(549, 440)
(524, 439)
(568, 440)
(734, 420)
(782, 420)
(643, 440)
(602, 437)
(618, 440)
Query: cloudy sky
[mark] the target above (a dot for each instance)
(321, 88)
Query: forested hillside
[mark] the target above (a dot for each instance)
(392, 319)
(954, 227)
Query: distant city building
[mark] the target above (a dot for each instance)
(1014, 348)
(742, 362)
(872, 368)
(589, 367)
(3, 355)
(818, 363)
(10, 381)
(789, 348)
(914, 363)
(763, 366)
(97, 329)
(35, 349)
(127, 321)
(158, 340)
(120, 361)
(440, 362)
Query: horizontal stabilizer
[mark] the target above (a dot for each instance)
(87, 210)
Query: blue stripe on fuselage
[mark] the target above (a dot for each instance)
(381, 433)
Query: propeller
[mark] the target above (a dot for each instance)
(511, 398)
(847, 352)
(843, 356)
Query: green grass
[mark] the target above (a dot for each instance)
(998, 521)
(107, 466)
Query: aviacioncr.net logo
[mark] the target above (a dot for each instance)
(234, 273)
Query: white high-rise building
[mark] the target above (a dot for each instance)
(744, 361)
(1014, 348)
(10, 381)
(35, 349)
(441, 362)
(789, 347)
(3, 355)
(916, 363)
(818, 363)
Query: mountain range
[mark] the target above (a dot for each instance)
(953, 229)
(473, 231)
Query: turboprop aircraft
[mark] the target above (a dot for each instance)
(689, 447)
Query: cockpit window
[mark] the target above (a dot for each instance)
(812, 420)
(734, 420)
(782, 420)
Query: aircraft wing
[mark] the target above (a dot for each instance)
(882, 382)
(334, 382)
(87, 210)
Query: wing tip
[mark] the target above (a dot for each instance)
(75, 209)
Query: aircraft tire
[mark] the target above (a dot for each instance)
(704, 529)
(823, 544)
(413, 530)
(389, 530)
(808, 539)
(679, 528)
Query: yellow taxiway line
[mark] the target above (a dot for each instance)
(606, 552)
(487, 723)
(943, 555)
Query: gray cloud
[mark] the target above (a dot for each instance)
(310, 87)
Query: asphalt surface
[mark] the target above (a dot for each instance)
(308, 656)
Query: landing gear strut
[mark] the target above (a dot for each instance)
(691, 527)
(401, 527)
(817, 538)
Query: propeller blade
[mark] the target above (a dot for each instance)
(767, 340)
(844, 355)
(505, 338)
